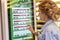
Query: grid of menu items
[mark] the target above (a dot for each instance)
(20, 17)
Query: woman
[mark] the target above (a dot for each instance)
(48, 12)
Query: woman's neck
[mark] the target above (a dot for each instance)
(46, 20)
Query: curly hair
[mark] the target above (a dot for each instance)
(45, 6)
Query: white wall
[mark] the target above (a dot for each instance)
(5, 20)
(0, 23)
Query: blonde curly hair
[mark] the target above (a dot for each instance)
(50, 9)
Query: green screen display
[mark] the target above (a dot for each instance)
(20, 17)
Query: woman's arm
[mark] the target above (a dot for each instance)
(32, 30)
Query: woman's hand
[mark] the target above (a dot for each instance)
(30, 28)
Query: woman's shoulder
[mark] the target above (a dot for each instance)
(53, 27)
(53, 24)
